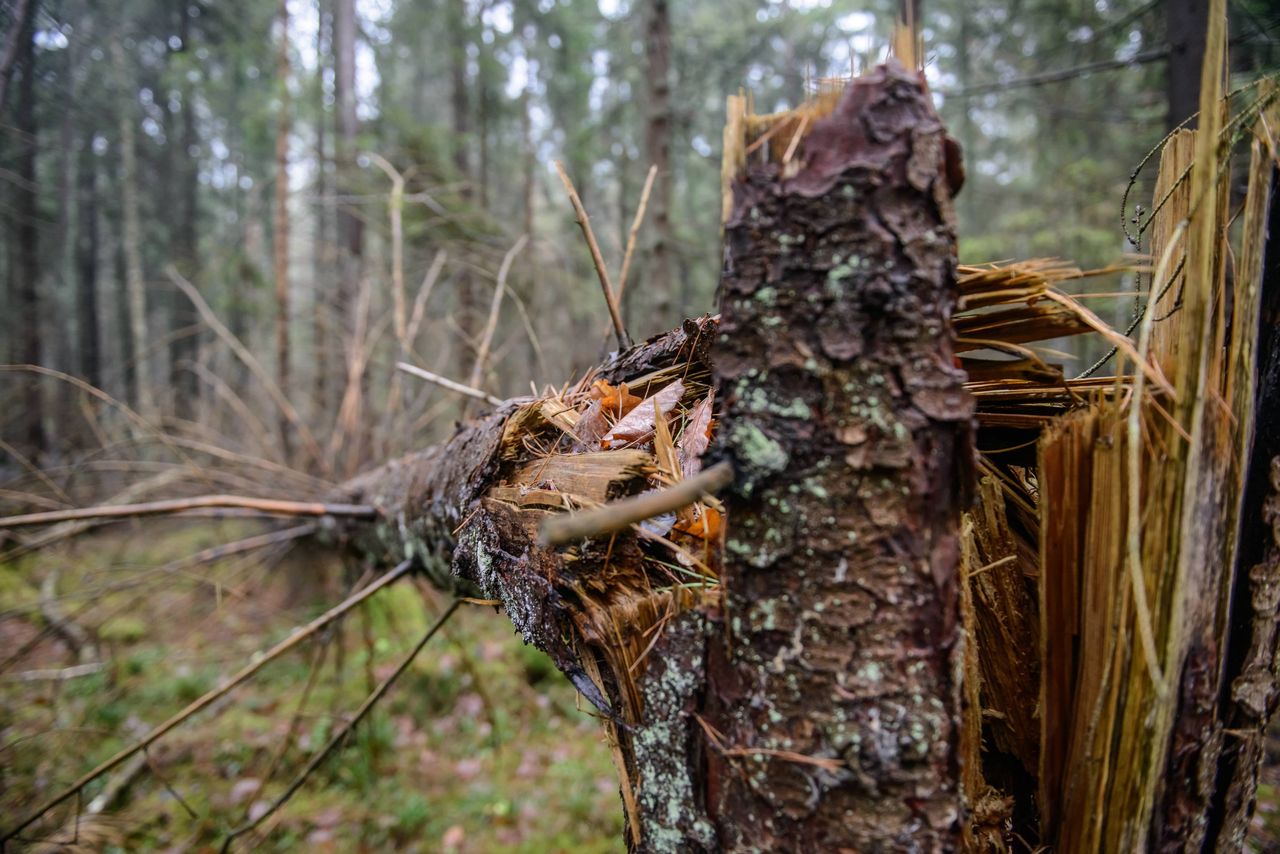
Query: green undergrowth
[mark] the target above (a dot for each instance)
(479, 747)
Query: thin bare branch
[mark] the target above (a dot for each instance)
(395, 208)
(255, 367)
(178, 505)
(624, 340)
(445, 382)
(424, 293)
(634, 233)
(617, 515)
(491, 326)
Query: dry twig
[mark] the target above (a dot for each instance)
(445, 382)
(177, 505)
(624, 340)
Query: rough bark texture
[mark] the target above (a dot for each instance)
(851, 433)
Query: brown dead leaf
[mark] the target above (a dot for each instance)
(592, 424)
(696, 436)
(638, 424)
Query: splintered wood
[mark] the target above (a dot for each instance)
(609, 437)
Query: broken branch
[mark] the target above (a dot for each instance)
(624, 340)
(343, 731)
(621, 514)
(445, 382)
(178, 505)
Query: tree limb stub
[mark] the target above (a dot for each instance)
(558, 530)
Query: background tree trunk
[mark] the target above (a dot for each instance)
(657, 146)
(322, 245)
(459, 99)
(280, 238)
(184, 350)
(13, 47)
(87, 262)
(1186, 21)
(26, 271)
(135, 284)
(350, 228)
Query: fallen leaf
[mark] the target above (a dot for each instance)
(706, 524)
(592, 424)
(696, 437)
(638, 424)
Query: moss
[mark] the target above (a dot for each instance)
(123, 629)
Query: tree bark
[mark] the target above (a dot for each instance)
(465, 312)
(184, 349)
(350, 228)
(87, 263)
(322, 246)
(21, 18)
(1186, 22)
(851, 432)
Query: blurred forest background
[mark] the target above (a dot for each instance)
(252, 146)
(232, 217)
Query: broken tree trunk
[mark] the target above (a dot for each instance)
(797, 690)
(850, 428)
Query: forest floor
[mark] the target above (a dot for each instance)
(478, 747)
